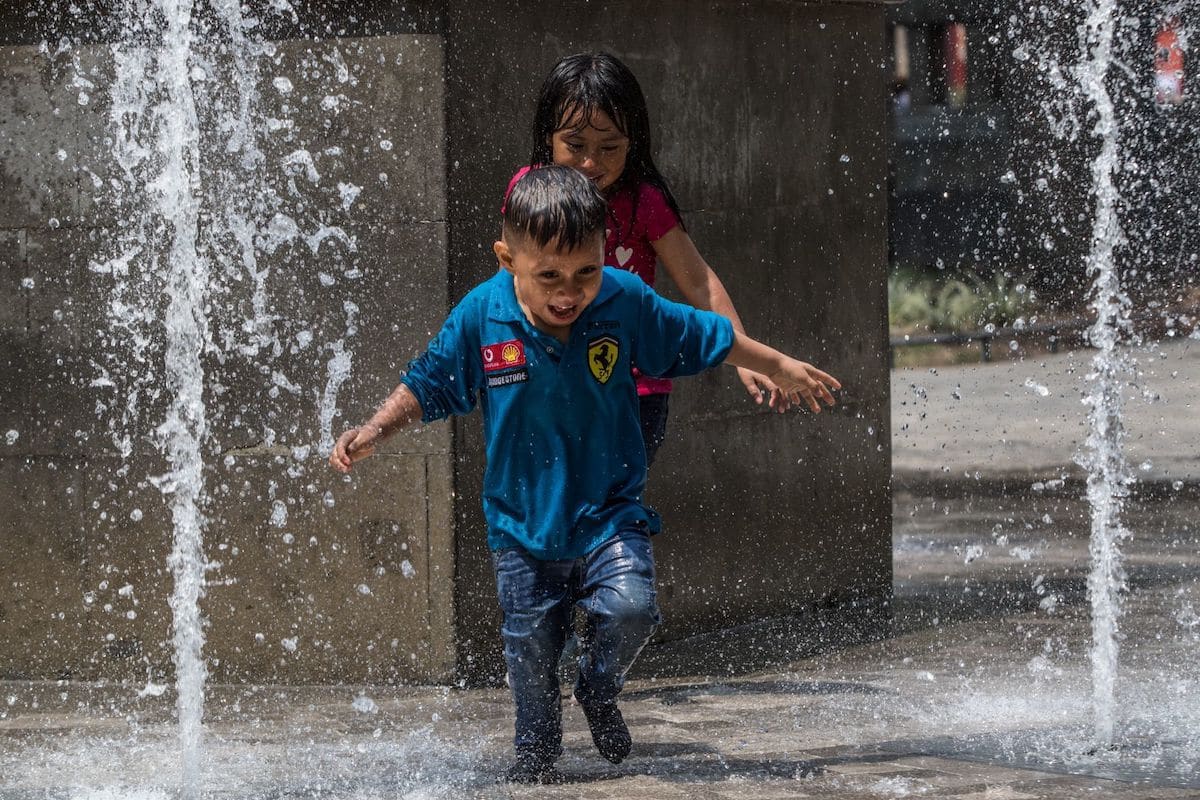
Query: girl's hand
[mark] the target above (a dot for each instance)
(354, 445)
(759, 385)
(807, 383)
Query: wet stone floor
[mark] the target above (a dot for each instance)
(982, 692)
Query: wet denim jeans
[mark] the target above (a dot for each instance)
(614, 585)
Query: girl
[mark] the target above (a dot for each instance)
(591, 115)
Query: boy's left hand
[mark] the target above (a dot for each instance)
(804, 381)
(759, 386)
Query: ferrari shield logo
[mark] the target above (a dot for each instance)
(602, 354)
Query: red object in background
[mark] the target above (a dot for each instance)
(954, 56)
(1168, 65)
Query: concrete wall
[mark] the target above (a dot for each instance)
(320, 579)
(385, 576)
(753, 109)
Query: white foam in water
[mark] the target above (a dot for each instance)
(271, 764)
(118, 794)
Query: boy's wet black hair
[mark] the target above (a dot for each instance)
(555, 204)
(584, 83)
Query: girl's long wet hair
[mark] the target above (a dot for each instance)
(588, 82)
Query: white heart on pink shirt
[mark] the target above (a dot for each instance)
(623, 255)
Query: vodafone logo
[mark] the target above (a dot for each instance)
(503, 355)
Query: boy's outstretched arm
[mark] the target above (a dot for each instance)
(703, 289)
(400, 410)
(790, 375)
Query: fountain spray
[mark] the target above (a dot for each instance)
(163, 275)
(1108, 474)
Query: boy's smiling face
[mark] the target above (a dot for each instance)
(553, 286)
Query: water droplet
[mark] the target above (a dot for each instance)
(136, 515)
(1041, 390)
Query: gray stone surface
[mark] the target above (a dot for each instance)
(1025, 420)
(981, 693)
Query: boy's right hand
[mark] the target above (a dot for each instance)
(354, 445)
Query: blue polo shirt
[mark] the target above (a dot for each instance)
(566, 466)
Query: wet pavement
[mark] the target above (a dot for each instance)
(982, 691)
(1025, 418)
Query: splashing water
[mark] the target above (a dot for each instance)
(1108, 474)
(156, 116)
(174, 173)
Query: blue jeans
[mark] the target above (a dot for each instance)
(614, 585)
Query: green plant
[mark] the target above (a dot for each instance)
(965, 302)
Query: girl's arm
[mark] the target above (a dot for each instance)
(703, 289)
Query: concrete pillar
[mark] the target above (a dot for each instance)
(769, 122)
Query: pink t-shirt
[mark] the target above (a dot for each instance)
(629, 235)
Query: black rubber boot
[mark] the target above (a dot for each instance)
(533, 766)
(609, 732)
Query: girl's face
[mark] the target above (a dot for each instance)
(594, 146)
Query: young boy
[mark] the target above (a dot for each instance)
(545, 348)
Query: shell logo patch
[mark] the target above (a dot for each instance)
(503, 355)
(602, 355)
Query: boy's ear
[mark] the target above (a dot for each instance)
(503, 255)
